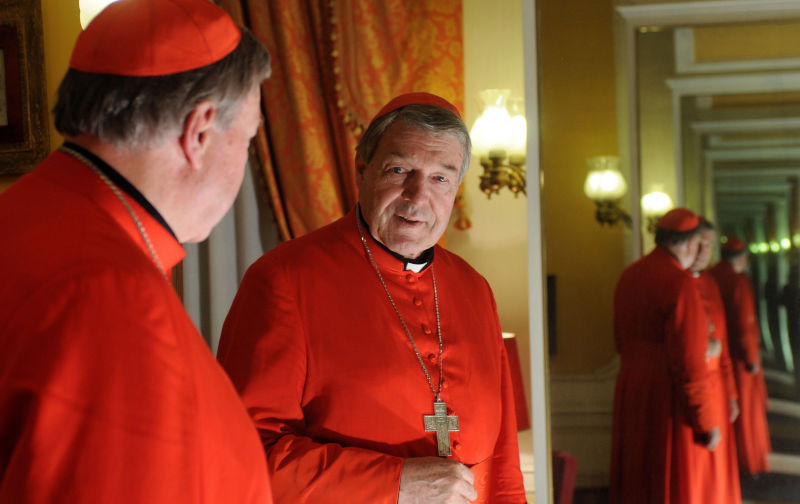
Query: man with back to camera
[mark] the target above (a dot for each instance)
(107, 391)
(752, 431)
(718, 468)
(394, 380)
(663, 411)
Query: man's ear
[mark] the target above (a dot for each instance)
(194, 139)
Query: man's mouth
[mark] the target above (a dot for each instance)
(408, 220)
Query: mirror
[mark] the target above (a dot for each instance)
(719, 129)
(662, 85)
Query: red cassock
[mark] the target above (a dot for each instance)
(107, 391)
(332, 381)
(752, 431)
(719, 469)
(663, 392)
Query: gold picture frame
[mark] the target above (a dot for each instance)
(24, 135)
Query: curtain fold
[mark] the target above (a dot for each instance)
(335, 63)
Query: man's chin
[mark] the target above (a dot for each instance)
(407, 247)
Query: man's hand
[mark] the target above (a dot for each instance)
(434, 480)
(713, 349)
(734, 409)
(713, 437)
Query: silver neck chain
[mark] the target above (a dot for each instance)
(436, 391)
(114, 189)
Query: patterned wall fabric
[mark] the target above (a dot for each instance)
(335, 63)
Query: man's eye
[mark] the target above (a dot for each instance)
(440, 178)
(397, 169)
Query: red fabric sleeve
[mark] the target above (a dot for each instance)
(727, 369)
(745, 314)
(505, 482)
(686, 354)
(98, 403)
(263, 348)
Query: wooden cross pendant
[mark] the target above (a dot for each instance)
(442, 424)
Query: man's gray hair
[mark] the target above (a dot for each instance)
(428, 117)
(138, 112)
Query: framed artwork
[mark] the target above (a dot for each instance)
(24, 138)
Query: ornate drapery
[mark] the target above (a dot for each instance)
(335, 63)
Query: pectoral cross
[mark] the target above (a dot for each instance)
(442, 424)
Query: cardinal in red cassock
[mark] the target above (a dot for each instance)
(370, 358)
(752, 432)
(663, 408)
(108, 393)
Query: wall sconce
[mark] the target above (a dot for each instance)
(606, 186)
(498, 139)
(91, 8)
(654, 205)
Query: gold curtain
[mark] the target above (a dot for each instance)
(334, 64)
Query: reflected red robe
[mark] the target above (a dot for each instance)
(719, 469)
(108, 394)
(333, 384)
(663, 392)
(752, 431)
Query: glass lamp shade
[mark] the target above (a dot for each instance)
(519, 128)
(604, 182)
(91, 8)
(492, 132)
(656, 204)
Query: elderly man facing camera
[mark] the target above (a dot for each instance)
(107, 391)
(370, 358)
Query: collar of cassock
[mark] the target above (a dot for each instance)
(72, 173)
(416, 265)
(123, 185)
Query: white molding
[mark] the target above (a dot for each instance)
(683, 39)
(744, 125)
(628, 20)
(717, 142)
(783, 407)
(767, 82)
(779, 153)
(582, 408)
(708, 12)
(685, 59)
(784, 463)
(540, 414)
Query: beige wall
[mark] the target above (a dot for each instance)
(578, 120)
(496, 245)
(61, 20)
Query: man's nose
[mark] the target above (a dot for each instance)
(415, 187)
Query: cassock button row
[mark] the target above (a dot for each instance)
(456, 445)
(411, 278)
(426, 329)
(417, 301)
(444, 385)
(432, 357)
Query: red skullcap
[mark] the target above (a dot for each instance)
(416, 99)
(679, 219)
(144, 38)
(733, 245)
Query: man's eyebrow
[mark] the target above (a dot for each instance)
(446, 166)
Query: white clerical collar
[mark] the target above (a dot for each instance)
(415, 267)
(408, 264)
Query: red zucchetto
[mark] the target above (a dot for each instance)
(733, 244)
(679, 219)
(145, 38)
(416, 99)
